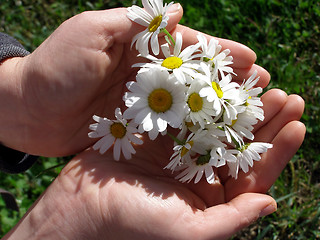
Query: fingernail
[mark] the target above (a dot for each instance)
(174, 8)
(268, 210)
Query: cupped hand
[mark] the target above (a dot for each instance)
(96, 197)
(79, 71)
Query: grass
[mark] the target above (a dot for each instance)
(284, 34)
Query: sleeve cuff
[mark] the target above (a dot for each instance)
(10, 47)
(12, 161)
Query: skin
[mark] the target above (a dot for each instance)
(56, 91)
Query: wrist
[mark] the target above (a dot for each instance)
(62, 212)
(11, 103)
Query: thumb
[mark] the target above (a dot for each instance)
(175, 13)
(224, 220)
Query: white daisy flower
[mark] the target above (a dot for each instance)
(218, 61)
(248, 153)
(243, 125)
(182, 152)
(197, 168)
(199, 109)
(180, 63)
(118, 132)
(232, 111)
(220, 155)
(154, 18)
(254, 105)
(249, 94)
(247, 87)
(240, 128)
(232, 137)
(215, 136)
(219, 92)
(154, 101)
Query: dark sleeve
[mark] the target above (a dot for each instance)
(12, 161)
(10, 47)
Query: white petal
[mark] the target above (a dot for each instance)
(162, 124)
(177, 47)
(165, 50)
(135, 139)
(199, 175)
(153, 133)
(155, 44)
(104, 144)
(116, 149)
(147, 123)
(209, 174)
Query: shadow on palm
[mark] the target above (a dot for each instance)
(146, 168)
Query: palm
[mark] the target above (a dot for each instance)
(140, 196)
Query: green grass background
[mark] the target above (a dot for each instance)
(284, 34)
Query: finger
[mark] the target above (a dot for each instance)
(264, 173)
(210, 194)
(243, 57)
(279, 110)
(224, 220)
(245, 73)
(273, 101)
(292, 110)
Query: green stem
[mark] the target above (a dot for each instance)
(175, 139)
(203, 159)
(50, 168)
(169, 35)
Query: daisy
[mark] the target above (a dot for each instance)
(243, 125)
(197, 168)
(218, 61)
(249, 94)
(118, 132)
(199, 109)
(240, 128)
(232, 137)
(215, 136)
(246, 156)
(220, 155)
(154, 18)
(219, 92)
(180, 63)
(184, 150)
(154, 101)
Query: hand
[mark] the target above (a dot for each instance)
(96, 197)
(79, 71)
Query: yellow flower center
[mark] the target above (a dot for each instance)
(208, 59)
(184, 150)
(233, 122)
(172, 62)
(189, 124)
(160, 100)
(247, 104)
(118, 130)
(195, 102)
(155, 23)
(218, 90)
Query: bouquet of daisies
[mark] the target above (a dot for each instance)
(191, 90)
